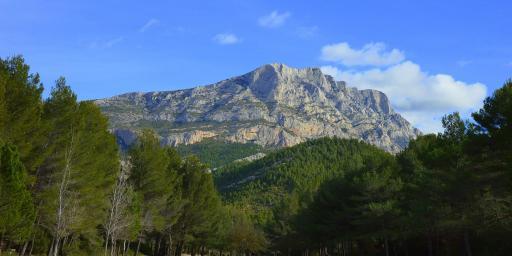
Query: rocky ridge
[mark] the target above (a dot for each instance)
(274, 106)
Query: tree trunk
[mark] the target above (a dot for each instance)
(179, 247)
(201, 250)
(106, 245)
(127, 248)
(8, 245)
(386, 246)
(24, 249)
(467, 245)
(31, 247)
(169, 247)
(430, 249)
(56, 248)
(1, 242)
(50, 250)
(157, 249)
(112, 247)
(138, 247)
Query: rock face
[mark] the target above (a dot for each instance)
(274, 106)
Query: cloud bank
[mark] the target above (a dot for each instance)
(372, 54)
(422, 98)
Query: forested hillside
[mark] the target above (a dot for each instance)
(218, 153)
(289, 178)
(446, 194)
(67, 189)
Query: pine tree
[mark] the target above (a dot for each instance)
(150, 178)
(21, 107)
(200, 202)
(77, 176)
(16, 207)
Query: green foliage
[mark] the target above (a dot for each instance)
(149, 178)
(494, 118)
(17, 211)
(217, 153)
(20, 110)
(263, 184)
(360, 205)
(242, 236)
(200, 202)
(78, 174)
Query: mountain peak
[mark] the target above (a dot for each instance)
(270, 79)
(274, 105)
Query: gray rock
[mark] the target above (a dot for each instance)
(274, 106)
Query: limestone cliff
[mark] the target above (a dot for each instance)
(274, 106)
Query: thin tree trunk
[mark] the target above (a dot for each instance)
(179, 247)
(24, 249)
(60, 225)
(50, 250)
(112, 247)
(138, 247)
(157, 251)
(430, 249)
(106, 244)
(386, 245)
(31, 247)
(1, 242)
(56, 247)
(169, 248)
(8, 247)
(467, 245)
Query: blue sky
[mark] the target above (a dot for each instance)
(430, 57)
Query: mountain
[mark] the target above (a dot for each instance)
(273, 106)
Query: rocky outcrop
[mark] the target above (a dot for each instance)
(274, 106)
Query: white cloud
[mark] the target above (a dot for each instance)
(274, 19)
(148, 24)
(372, 54)
(420, 97)
(226, 38)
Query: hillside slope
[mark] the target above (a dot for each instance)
(293, 175)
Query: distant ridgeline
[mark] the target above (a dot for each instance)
(273, 106)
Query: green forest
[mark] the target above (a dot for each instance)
(66, 188)
(217, 153)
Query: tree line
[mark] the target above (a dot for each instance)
(67, 189)
(445, 194)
